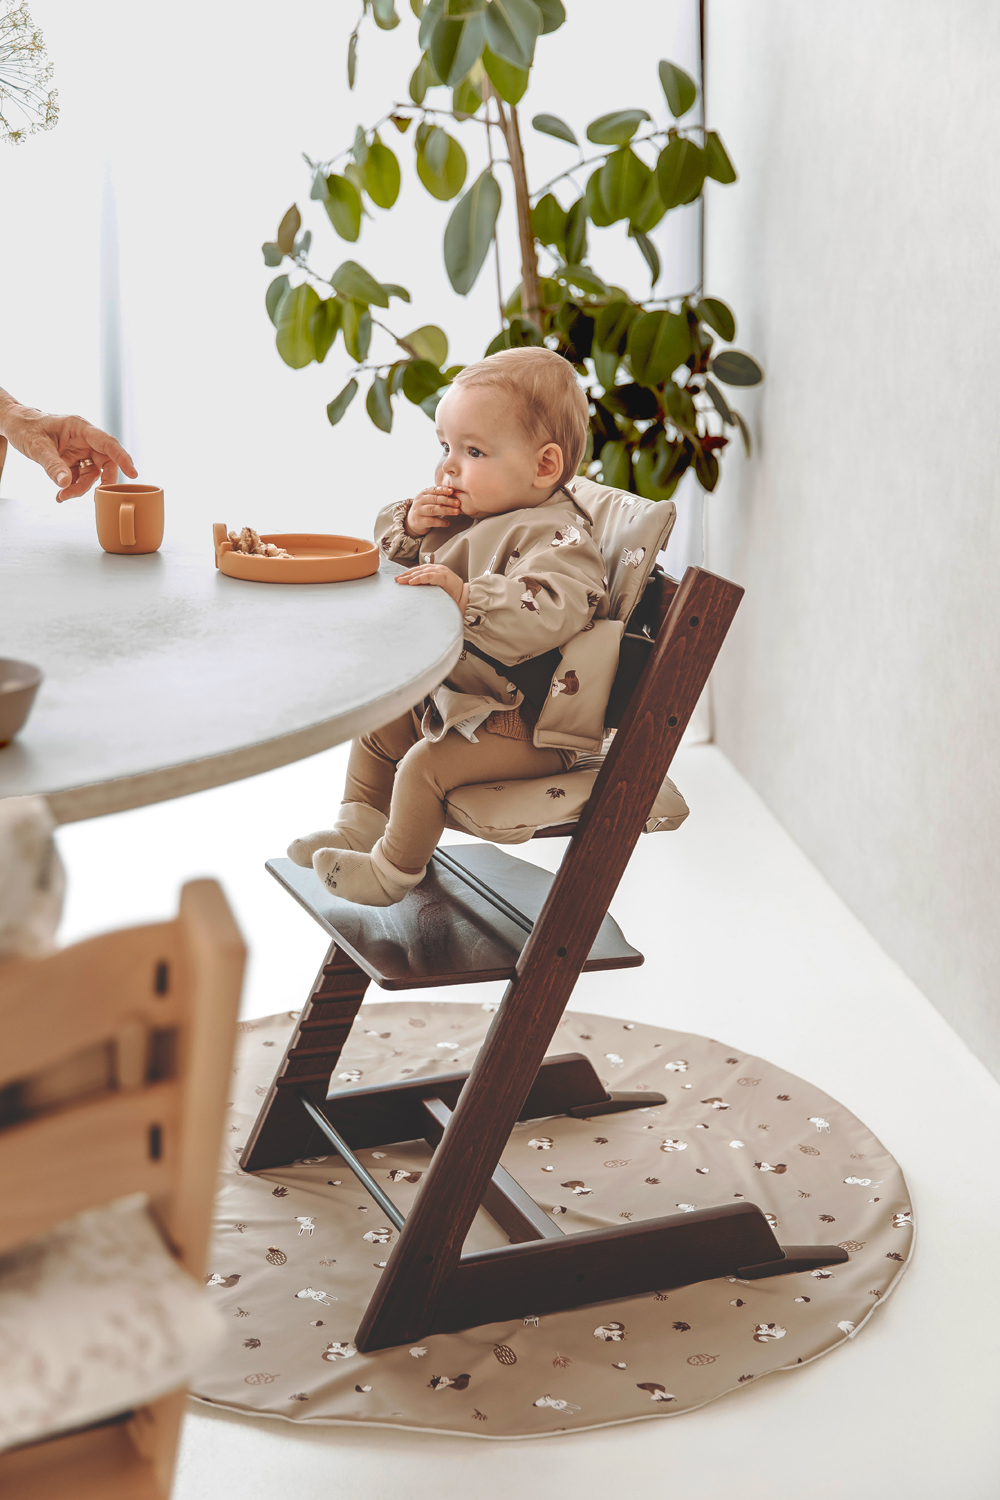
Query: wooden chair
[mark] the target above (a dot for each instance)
(480, 914)
(158, 1004)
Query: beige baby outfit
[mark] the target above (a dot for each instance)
(531, 686)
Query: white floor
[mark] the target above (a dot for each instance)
(745, 942)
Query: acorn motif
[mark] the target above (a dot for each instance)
(505, 1354)
(702, 1359)
(276, 1257)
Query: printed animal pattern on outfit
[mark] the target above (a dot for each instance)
(292, 1299)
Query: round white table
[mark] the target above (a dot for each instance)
(164, 677)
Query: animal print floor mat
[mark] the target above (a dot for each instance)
(298, 1251)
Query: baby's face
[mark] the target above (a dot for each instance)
(485, 457)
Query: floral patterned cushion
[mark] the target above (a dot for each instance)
(510, 812)
(96, 1317)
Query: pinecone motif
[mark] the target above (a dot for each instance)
(505, 1354)
(276, 1257)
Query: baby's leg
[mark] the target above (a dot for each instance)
(424, 777)
(367, 792)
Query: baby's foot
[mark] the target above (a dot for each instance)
(365, 879)
(358, 826)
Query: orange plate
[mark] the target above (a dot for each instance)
(316, 558)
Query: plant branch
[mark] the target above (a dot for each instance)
(589, 161)
(496, 238)
(530, 290)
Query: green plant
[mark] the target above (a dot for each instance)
(647, 364)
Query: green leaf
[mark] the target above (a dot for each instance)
(381, 175)
(288, 229)
(455, 46)
(392, 290)
(637, 402)
(596, 211)
(429, 343)
(273, 254)
(343, 206)
(394, 379)
(459, 9)
(680, 172)
(401, 122)
(612, 326)
(360, 148)
(733, 367)
(616, 465)
(706, 467)
(469, 232)
(293, 337)
(318, 189)
(623, 183)
(423, 78)
(432, 13)
(617, 128)
(378, 405)
(673, 459)
(646, 463)
(680, 404)
(417, 7)
(718, 316)
(606, 366)
(357, 325)
(679, 87)
(717, 163)
(273, 295)
(657, 343)
(352, 59)
(466, 99)
(386, 18)
(340, 403)
(509, 82)
(583, 278)
(719, 402)
(441, 164)
(649, 253)
(553, 15)
(520, 333)
(548, 221)
(649, 210)
(324, 321)
(552, 125)
(576, 232)
(421, 379)
(301, 246)
(512, 28)
(745, 434)
(430, 406)
(354, 281)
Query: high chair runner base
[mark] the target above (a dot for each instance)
(428, 1285)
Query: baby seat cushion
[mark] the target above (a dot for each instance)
(96, 1318)
(630, 532)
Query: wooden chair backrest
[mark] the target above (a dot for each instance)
(158, 1004)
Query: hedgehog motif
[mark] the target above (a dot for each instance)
(276, 1257)
(505, 1354)
(852, 1245)
(702, 1359)
(259, 1379)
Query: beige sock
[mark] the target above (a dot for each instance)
(365, 879)
(358, 827)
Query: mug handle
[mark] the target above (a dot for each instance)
(126, 524)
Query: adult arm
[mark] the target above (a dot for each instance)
(71, 450)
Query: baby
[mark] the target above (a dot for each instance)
(501, 534)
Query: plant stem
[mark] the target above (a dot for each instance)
(530, 289)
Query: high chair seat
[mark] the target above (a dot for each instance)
(513, 812)
(96, 1317)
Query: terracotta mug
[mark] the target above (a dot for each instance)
(129, 517)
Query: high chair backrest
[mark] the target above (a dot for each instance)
(630, 532)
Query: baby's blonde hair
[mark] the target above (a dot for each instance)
(547, 399)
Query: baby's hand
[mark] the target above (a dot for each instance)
(437, 506)
(438, 575)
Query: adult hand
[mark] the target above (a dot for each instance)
(436, 506)
(435, 574)
(72, 451)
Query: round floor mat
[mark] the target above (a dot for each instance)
(298, 1251)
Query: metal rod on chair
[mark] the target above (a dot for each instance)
(366, 1179)
(484, 890)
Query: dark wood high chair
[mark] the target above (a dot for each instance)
(480, 914)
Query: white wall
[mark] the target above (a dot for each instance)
(197, 121)
(859, 691)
